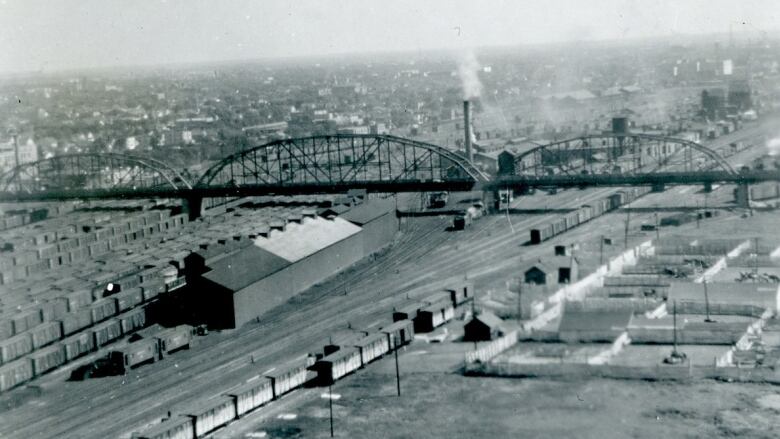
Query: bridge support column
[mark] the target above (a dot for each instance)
(708, 187)
(742, 195)
(658, 187)
(193, 207)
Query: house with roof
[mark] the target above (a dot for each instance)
(555, 269)
(484, 326)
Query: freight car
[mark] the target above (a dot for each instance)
(466, 217)
(174, 339)
(585, 213)
(337, 365)
(215, 412)
(252, 394)
(438, 200)
(133, 355)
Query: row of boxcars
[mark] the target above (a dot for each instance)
(586, 213)
(35, 362)
(336, 360)
(74, 328)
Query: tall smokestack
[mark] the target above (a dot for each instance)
(467, 128)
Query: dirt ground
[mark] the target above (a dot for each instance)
(440, 403)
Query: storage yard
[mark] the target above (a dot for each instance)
(126, 319)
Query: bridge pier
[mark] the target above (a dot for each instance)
(708, 187)
(742, 195)
(193, 207)
(658, 187)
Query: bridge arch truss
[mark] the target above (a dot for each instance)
(340, 159)
(92, 172)
(615, 153)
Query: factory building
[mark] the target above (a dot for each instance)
(242, 285)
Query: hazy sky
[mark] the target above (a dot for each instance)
(57, 34)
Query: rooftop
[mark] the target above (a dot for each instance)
(244, 267)
(302, 240)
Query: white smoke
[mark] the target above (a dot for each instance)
(468, 68)
(773, 145)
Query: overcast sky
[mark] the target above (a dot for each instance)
(63, 34)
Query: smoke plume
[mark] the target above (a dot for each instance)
(773, 145)
(468, 68)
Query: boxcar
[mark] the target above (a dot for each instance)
(152, 289)
(102, 309)
(288, 377)
(399, 333)
(461, 293)
(135, 354)
(174, 339)
(15, 347)
(372, 346)
(45, 334)
(46, 359)
(407, 311)
(252, 394)
(338, 364)
(15, 373)
(78, 345)
(107, 332)
(133, 320)
(128, 298)
(433, 316)
(180, 427)
(76, 321)
(211, 414)
(26, 320)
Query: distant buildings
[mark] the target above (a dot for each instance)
(28, 152)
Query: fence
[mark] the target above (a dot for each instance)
(657, 372)
(488, 351)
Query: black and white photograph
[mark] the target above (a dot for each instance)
(389, 219)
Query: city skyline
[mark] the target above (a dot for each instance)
(88, 34)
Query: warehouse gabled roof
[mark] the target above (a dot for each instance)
(302, 240)
(367, 212)
(244, 267)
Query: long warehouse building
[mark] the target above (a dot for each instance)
(241, 286)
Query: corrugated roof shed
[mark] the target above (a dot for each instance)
(244, 267)
(302, 240)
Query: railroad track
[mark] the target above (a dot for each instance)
(291, 330)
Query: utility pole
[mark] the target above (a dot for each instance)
(674, 324)
(601, 251)
(755, 257)
(657, 227)
(397, 371)
(520, 300)
(628, 222)
(706, 301)
(330, 403)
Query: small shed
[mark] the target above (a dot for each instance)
(485, 326)
(540, 273)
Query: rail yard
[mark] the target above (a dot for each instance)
(426, 257)
(569, 240)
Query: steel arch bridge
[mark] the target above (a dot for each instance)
(92, 172)
(615, 153)
(337, 160)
